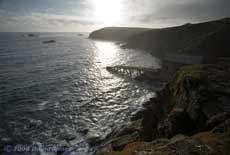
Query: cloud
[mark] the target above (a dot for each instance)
(49, 15)
(47, 21)
(59, 19)
(175, 12)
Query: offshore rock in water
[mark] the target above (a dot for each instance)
(30, 35)
(48, 41)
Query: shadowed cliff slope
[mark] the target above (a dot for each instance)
(116, 33)
(209, 39)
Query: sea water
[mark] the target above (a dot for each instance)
(60, 93)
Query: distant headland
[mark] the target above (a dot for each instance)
(208, 39)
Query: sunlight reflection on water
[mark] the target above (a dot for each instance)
(105, 52)
(65, 88)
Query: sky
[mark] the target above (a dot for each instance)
(88, 15)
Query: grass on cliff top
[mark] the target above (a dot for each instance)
(190, 72)
(186, 78)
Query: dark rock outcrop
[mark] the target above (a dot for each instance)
(196, 104)
(30, 35)
(48, 41)
(197, 95)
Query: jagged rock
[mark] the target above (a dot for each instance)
(223, 127)
(119, 142)
(216, 120)
(178, 122)
(195, 103)
(138, 115)
(200, 92)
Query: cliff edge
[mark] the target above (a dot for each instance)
(190, 115)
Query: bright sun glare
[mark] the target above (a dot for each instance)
(106, 52)
(107, 12)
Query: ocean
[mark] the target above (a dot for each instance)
(60, 93)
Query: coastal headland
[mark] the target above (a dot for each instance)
(190, 115)
(208, 39)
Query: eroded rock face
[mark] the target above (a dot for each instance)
(196, 99)
(196, 104)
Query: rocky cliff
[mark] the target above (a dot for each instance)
(209, 39)
(189, 116)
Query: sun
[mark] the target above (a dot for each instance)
(107, 12)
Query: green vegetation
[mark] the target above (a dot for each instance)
(194, 72)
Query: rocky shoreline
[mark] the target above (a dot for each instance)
(190, 115)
